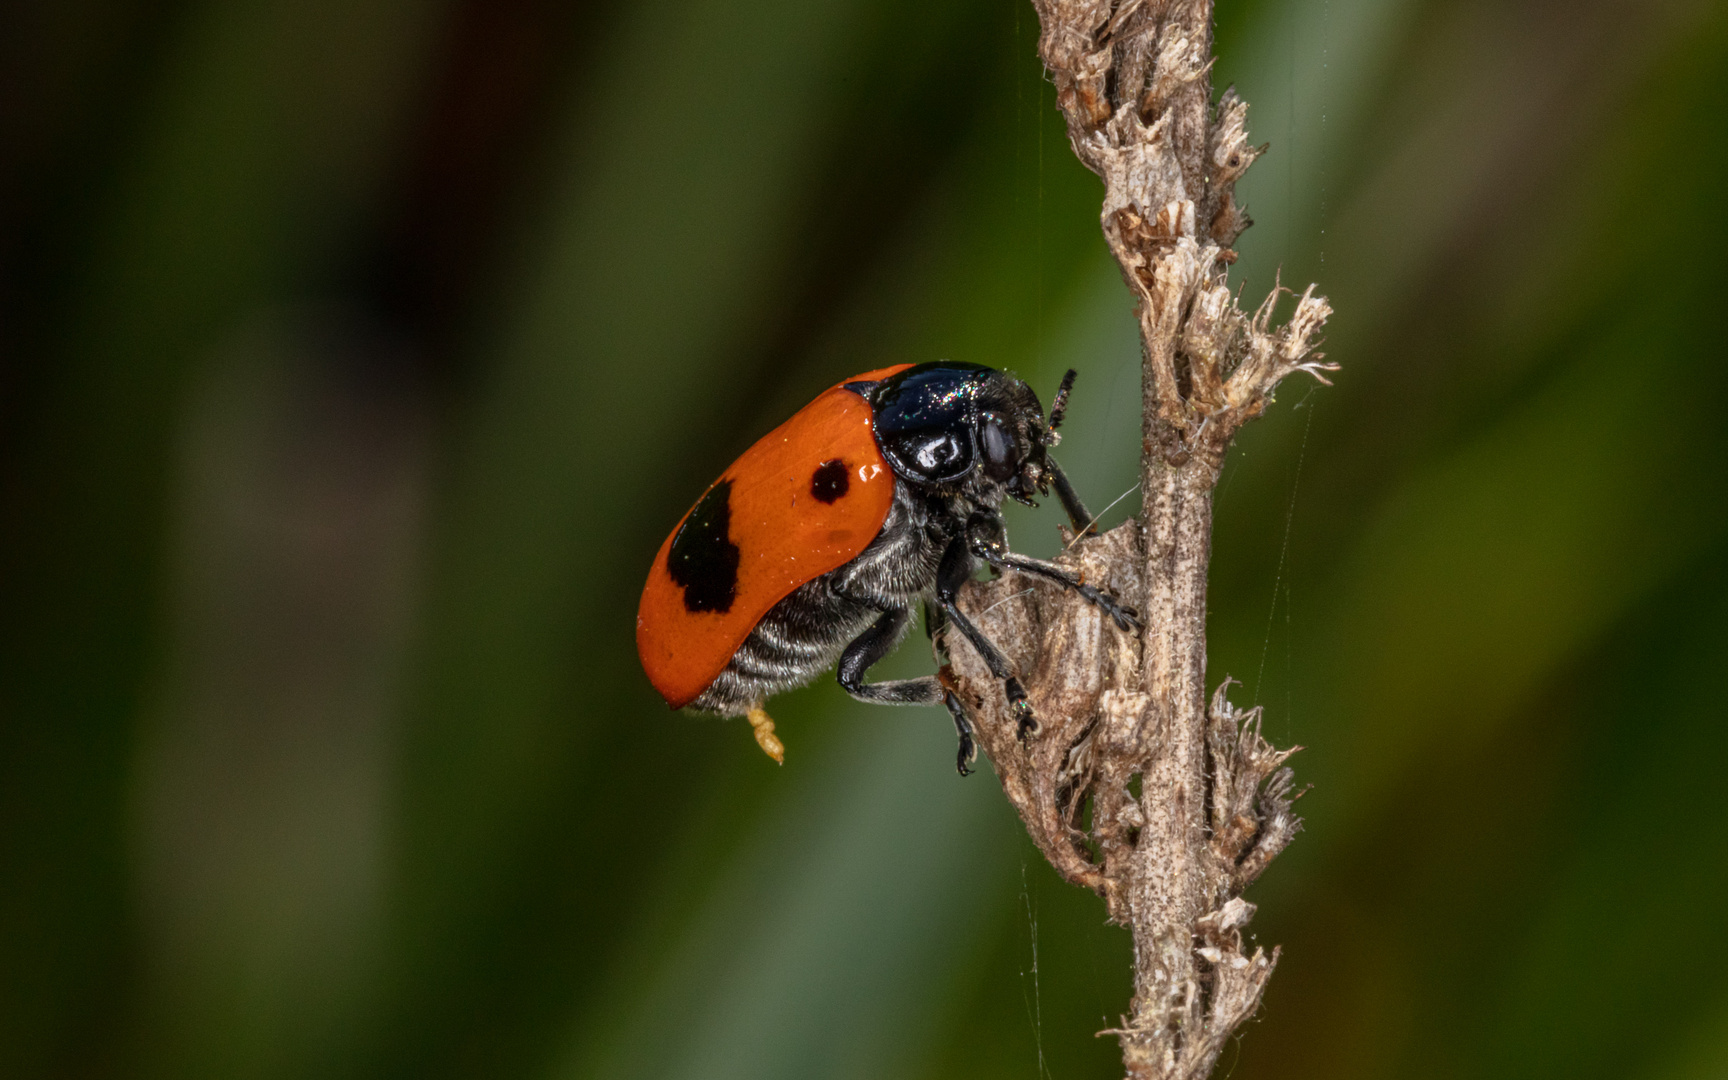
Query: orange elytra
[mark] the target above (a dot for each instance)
(805, 499)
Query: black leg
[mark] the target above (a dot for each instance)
(1083, 522)
(934, 621)
(955, 571)
(985, 539)
(875, 643)
(1126, 618)
(871, 646)
(963, 727)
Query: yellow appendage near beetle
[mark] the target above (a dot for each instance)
(763, 725)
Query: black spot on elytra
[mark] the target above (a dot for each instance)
(703, 559)
(830, 481)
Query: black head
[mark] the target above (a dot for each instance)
(951, 426)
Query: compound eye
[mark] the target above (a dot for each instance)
(998, 446)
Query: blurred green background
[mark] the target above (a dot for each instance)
(355, 357)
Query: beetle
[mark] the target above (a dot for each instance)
(815, 545)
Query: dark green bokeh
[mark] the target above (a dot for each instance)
(356, 358)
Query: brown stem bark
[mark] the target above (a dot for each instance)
(1115, 709)
(1167, 891)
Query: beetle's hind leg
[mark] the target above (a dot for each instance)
(869, 647)
(875, 643)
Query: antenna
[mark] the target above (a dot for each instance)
(1059, 405)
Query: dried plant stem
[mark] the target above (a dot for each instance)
(1119, 711)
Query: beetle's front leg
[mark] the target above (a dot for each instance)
(986, 539)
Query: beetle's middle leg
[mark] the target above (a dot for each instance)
(955, 571)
